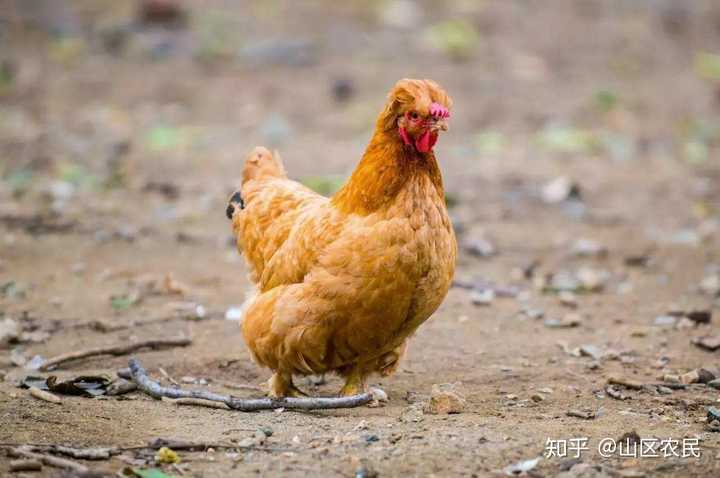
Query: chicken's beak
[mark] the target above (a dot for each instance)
(440, 124)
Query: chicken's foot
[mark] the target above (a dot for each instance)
(354, 382)
(281, 386)
(154, 389)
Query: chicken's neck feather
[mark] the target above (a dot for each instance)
(384, 169)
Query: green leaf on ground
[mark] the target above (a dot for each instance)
(569, 140)
(707, 66)
(163, 138)
(146, 473)
(490, 142)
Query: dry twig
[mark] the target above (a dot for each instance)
(45, 396)
(625, 382)
(114, 350)
(200, 403)
(156, 390)
(49, 460)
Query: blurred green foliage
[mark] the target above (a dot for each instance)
(326, 185)
(707, 66)
(457, 38)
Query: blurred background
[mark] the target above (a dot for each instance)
(99, 95)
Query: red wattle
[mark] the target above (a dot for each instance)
(422, 144)
(425, 142)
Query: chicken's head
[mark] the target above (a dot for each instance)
(417, 110)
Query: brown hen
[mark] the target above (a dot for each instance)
(344, 281)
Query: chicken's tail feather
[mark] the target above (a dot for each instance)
(236, 202)
(261, 163)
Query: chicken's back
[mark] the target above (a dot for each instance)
(264, 214)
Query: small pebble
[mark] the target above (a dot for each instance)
(690, 377)
(568, 299)
(713, 414)
(533, 313)
(665, 320)
(482, 297)
(445, 399)
(664, 390)
(569, 320)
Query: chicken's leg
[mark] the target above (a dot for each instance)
(281, 385)
(354, 381)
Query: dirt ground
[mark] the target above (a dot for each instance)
(594, 120)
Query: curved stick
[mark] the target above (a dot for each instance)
(154, 389)
(114, 350)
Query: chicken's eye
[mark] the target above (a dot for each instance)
(414, 115)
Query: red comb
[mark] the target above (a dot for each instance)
(439, 111)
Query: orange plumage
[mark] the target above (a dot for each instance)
(344, 281)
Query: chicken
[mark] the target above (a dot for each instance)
(343, 282)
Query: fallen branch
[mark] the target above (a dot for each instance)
(103, 453)
(107, 452)
(25, 465)
(50, 460)
(154, 389)
(181, 445)
(83, 453)
(625, 382)
(121, 387)
(200, 403)
(114, 350)
(106, 326)
(124, 373)
(46, 396)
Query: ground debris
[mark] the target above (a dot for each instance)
(9, 331)
(626, 382)
(155, 390)
(25, 465)
(45, 396)
(583, 247)
(412, 414)
(445, 398)
(585, 414)
(708, 342)
(616, 394)
(37, 224)
(166, 456)
(584, 470)
(25, 452)
(85, 385)
(199, 403)
(569, 320)
(710, 285)
(114, 350)
(121, 387)
(699, 316)
(521, 467)
(482, 297)
(559, 190)
(479, 247)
